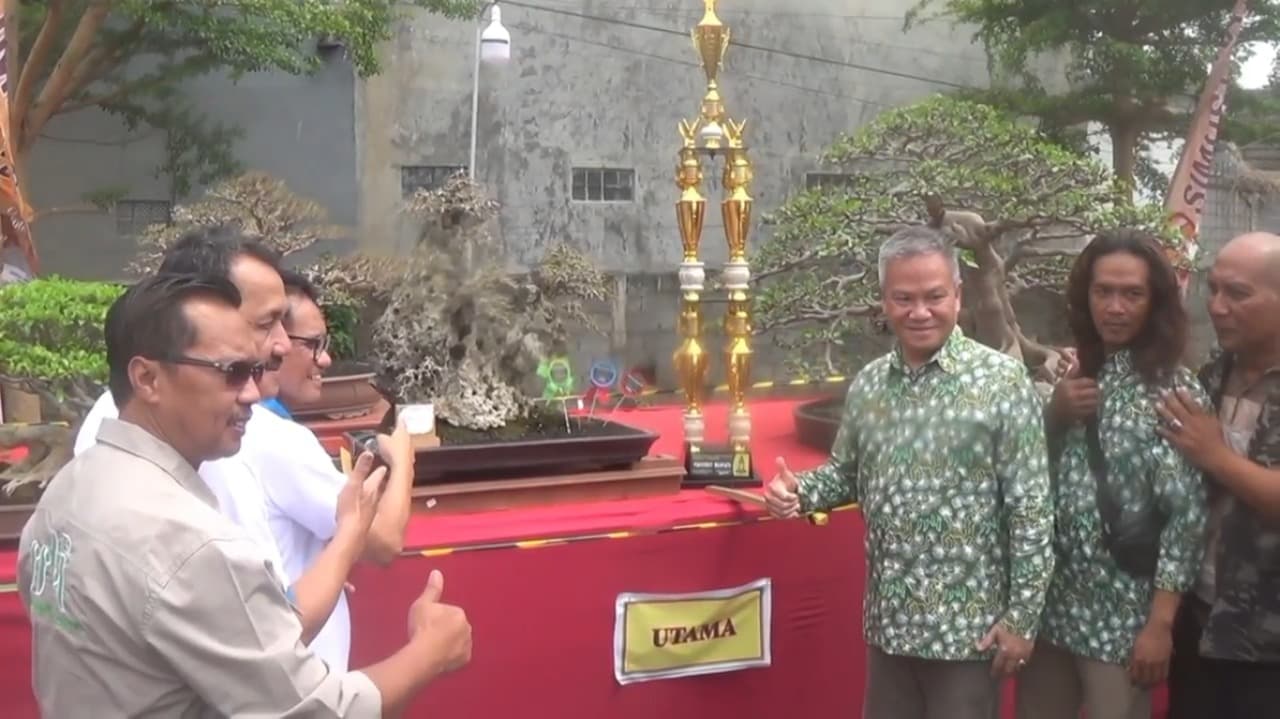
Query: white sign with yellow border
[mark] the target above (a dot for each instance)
(660, 636)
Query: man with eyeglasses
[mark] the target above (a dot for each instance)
(303, 486)
(146, 601)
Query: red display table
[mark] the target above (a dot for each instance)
(539, 587)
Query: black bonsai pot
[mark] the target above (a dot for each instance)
(818, 421)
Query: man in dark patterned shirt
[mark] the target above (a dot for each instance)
(942, 444)
(1235, 610)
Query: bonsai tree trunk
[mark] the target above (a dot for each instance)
(50, 446)
(986, 292)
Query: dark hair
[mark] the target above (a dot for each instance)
(1158, 347)
(296, 283)
(211, 251)
(150, 320)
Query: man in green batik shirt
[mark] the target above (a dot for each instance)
(942, 442)
(1106, 637)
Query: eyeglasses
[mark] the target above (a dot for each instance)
(317, 345)
(237, 373)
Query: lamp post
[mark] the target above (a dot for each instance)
(493, 45)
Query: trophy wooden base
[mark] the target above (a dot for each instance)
(718, 465)
(650, 477)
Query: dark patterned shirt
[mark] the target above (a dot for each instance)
(1244, 618)
(949, 464)
(1094, 609)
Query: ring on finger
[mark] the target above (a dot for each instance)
(1175, 424)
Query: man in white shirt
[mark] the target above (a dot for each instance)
(299, 477)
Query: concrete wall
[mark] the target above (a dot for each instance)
(581, 92)
(301, 130)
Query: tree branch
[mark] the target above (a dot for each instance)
(1022, 252)
(30, 70)
(61, 82)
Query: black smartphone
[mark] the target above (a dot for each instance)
(365, 440)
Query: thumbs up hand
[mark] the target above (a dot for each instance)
(780, 496)
(1075, 397)
(443, 626)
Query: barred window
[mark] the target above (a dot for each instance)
(134, 216)
(427, 177)
(815, 180)
(603, 184)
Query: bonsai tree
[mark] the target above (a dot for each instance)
(462, 333)
(264, 208)
(51, 344)
(1017, 206)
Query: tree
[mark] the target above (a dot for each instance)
(1019, 207)
(131, 58)
(1128, 62)
(462, 333)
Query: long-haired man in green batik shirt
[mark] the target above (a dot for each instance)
(942, 443)
(1130, 508)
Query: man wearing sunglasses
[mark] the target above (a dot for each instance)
(144, 600)
(236, 481)
(301, 483)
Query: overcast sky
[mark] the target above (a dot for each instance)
(1254, 73)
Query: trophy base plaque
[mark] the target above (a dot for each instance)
(718, 464)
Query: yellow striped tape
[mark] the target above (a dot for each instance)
(767, 384)
(555, 541)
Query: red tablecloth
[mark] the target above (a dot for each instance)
(542, 612)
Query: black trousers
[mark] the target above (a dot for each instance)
(1204, 688)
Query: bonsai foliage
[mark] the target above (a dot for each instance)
(264, 208)
(458, 330)
(51, 344)
(1127, 61)
(1017, 206)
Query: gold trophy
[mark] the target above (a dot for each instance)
(712, 134)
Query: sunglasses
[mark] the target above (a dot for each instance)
(237, 373)
(317, 345)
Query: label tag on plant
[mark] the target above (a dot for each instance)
(419, 418)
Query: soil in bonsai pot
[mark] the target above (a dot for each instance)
(537, 426)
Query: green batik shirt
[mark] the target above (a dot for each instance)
(949, 465)
(1094, 609)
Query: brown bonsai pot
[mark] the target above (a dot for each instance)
(347, 391)
(818, 421)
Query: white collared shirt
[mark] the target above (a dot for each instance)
(233, 482)
(301, 485)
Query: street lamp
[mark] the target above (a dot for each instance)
(493, 45)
